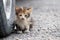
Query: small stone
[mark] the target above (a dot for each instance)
(46, 32)
(38, 29)
(17, 38)
(48, 39)
(42, 36)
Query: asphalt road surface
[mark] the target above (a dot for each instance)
(46, 15)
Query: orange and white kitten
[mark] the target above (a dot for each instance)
(23, 19)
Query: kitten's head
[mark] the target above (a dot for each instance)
(23, 13)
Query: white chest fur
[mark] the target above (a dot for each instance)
(22, 24)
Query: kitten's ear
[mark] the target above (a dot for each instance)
(18, 9)
(30, 9)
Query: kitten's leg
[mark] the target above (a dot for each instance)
(27, 29)
(18, 29)
(30, 27)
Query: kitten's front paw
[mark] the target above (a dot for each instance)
(19, 32)
(27, 31)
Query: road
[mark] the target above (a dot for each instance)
(46, 15)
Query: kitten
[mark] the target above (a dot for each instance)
(23, 20)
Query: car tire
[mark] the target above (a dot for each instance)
(5, 26)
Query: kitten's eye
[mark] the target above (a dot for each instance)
(25, 15)
(27, 9)
(20, 15)
(28, 15)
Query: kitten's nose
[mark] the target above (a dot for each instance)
(22, 18)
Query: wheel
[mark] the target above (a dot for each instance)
(6, 26)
